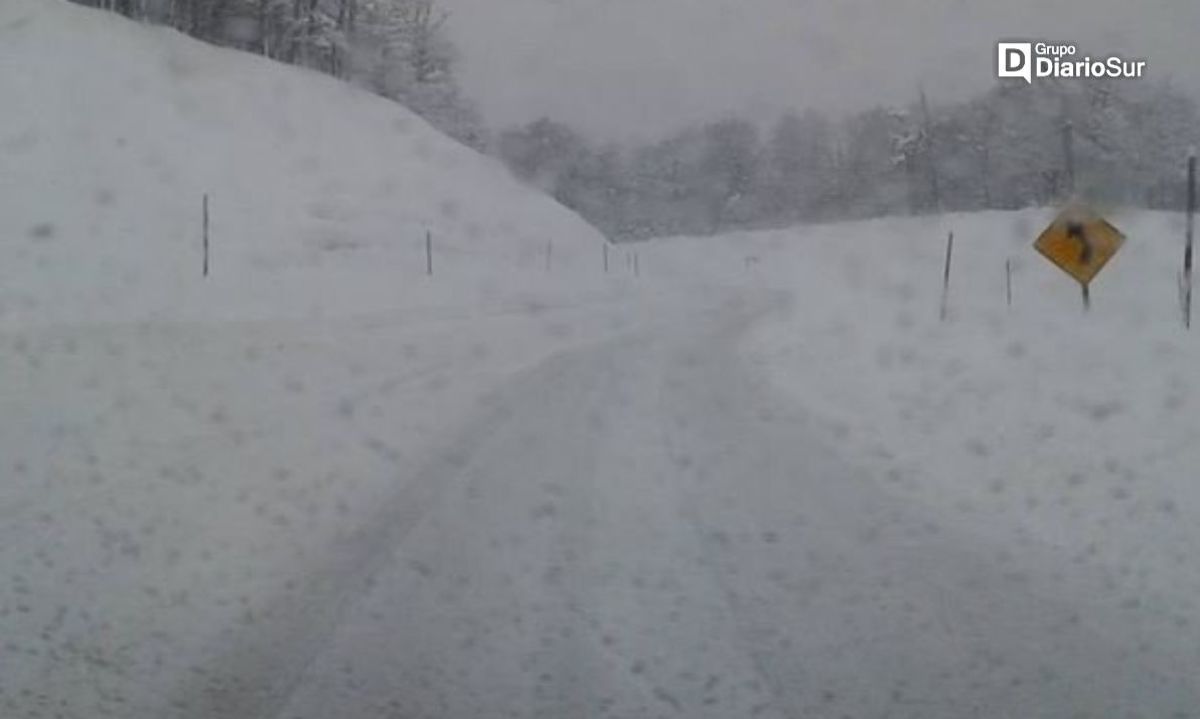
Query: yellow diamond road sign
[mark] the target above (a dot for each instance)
(1080, 242)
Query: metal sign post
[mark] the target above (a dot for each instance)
(1187, 252)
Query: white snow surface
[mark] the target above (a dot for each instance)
(761, 478)
(1046, 429)
(1076, 428)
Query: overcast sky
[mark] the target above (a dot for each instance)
(621, 68)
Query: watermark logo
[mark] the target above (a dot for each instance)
(1029, 60)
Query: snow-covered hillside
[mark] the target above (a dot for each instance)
(321, 194)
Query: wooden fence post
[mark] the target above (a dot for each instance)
(205, 271)
(1008, 280)
(946, 275)
(1187, 252)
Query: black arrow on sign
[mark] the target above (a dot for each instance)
(1075, 229)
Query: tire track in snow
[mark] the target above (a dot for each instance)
(252, 672)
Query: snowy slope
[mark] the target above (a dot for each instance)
(1043, 428)
(112, 133)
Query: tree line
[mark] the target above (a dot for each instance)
(1004, 149)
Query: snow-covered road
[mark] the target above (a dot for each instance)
(640, 527)
(744, 475)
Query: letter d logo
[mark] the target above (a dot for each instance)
(1015, 59)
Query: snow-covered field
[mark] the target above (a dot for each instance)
(1035, 421)
(177, 453)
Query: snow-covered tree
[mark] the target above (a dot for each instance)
(798, 167)
(402, 51)
(728, 173)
